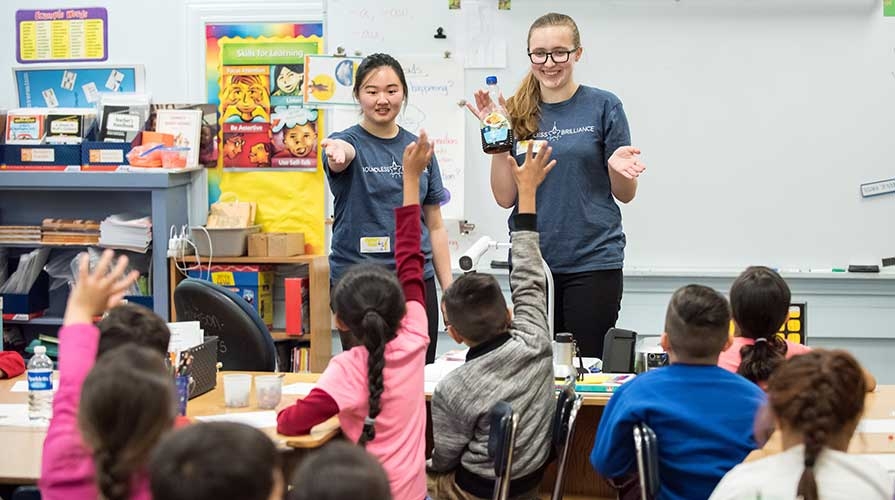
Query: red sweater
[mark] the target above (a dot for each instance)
(11, 364)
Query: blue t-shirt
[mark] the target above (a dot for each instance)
(366, 194)
(702, 416)
(578, 219)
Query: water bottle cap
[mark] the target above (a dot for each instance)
(564, 338)
(491, 80)
(40, 349)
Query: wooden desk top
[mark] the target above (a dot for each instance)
(877, 405)
(27, 442)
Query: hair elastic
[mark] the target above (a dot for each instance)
(762, 339)
(369, 421)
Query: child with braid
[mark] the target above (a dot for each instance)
(816, 400)
(376, 388)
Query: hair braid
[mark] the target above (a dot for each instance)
(375, 345)
(112, 475)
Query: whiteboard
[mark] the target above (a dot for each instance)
(758, 119)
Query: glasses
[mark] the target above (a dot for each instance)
(558, 56)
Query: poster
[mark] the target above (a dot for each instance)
(330, 80)
(62, 35)
(74, 86)
(435, 89)
(263, 122)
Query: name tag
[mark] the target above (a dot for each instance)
(522, 146)
(375, 244)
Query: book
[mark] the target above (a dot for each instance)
(601, 382)
(208, 135)
(185, 125)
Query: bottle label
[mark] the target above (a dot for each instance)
(495, 128)
(40, 380)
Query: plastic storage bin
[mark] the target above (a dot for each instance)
(222, 242)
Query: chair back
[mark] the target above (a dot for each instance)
(501, 440)
(568, 402)
(26, 493)
(619, 346)
(647, 452)
(245, 343)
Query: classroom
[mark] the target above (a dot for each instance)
(447, 249)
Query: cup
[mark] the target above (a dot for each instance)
(236, 390)
(182, 383)
(268, 391)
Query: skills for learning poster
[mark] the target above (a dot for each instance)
(272, 156)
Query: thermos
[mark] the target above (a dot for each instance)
(564, 356)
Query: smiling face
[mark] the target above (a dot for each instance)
(381, 95)
(300, 139)
(553, 39)
(288, 80)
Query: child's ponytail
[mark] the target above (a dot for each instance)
(760, 359)
(759, 303)
(524, 108)
(376, 330)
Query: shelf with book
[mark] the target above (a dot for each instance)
(320, 330)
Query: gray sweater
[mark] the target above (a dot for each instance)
(516, 368)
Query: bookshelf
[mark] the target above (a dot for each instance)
(320, 335)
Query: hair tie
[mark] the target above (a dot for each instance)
(369, 421)
(762, 339)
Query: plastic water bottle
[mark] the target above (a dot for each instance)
(497, 133)
(40, 385)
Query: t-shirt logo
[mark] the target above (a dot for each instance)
(555, 133)
(394, 169)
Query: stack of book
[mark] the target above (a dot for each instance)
(69, 232)
(20, 234)
(126, 231)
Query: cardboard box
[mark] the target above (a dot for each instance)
(258, 245)
(285, 244)
(254, 283)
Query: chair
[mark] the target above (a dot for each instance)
(647, 453)
(245, 343)
(501, 440)
(568, 402)
(26, 493)
(618, 351)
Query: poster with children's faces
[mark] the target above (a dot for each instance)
(262, 122)
(329, 80)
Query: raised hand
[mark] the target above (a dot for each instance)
(626, 162)
(417, 155)
(482, 103)
(533, 170)
(98, 290)
(335, 151)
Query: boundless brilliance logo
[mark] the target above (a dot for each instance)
(394, 169)
(555, 133)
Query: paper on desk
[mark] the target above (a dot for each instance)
(877, 425)
(298, 389)
(184, 335)
(257, 419)
(22, 386)
(16, 415)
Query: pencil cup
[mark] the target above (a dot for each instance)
(182, 383)
(236, 390)
(268, 391)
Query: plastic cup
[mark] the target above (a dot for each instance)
(236, 390)
(268, 391)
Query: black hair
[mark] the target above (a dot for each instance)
(214, 461)
(369, 300)
(697, 323)
(127, 404)
(759, 302)
(133, 324)
(340, 471)
(374, 61)
(475, 306)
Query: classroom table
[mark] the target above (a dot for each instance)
(23, 466)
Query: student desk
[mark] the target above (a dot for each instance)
(22, 465)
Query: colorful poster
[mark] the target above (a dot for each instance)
(62, 35)
(330, 80)
(290, 192)
(74, 86)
